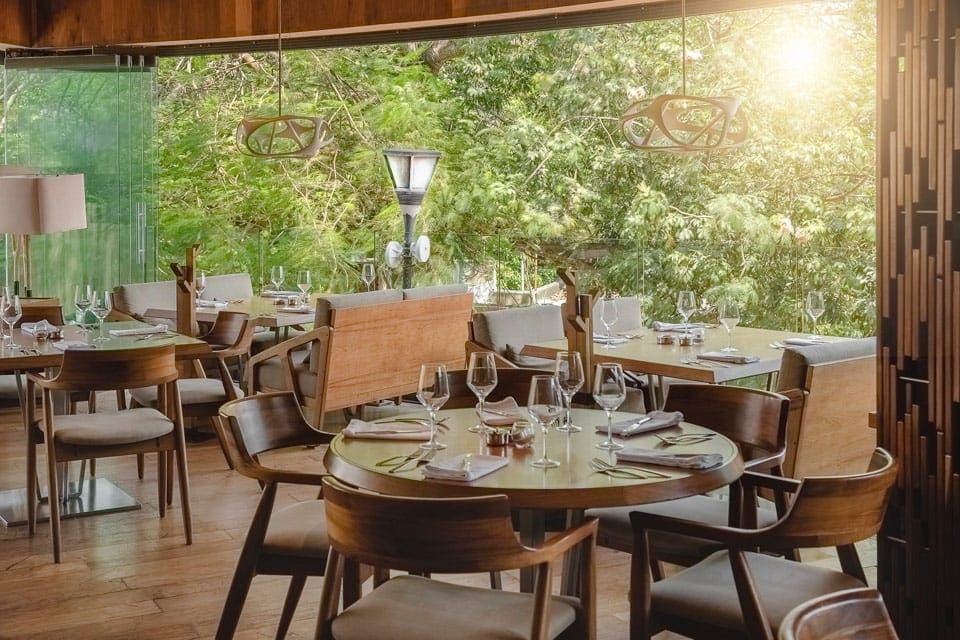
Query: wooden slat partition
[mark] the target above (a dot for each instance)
(918, 283)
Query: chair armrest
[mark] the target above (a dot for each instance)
(475, 347)
(777, 483)
(730, 536)
(285, 347)
(560, 544)
(765, 461)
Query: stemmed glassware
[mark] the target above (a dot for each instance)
(82, 299)
(11, 312)
(609, 391)
(569, 370)
(276, 277)
(368, 273)
(609, 316)
(201, 286)
(101, 309)
(482, 379)
(686, 305)
(433, 391)
(304, 283)
(544, 406)
(815, 309)
(729, 318)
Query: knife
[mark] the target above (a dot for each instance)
(632, 429)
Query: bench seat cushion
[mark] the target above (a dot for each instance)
(506, 331)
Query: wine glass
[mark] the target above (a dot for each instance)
(82, 298)
(100, 307)
(482, 379)
(433, 390)
(569, 370)
(201, 286)
(368, 273)
(11, 312)
(304, 283)
(815, 309)
(276, 277)
(609, 391)
(544, 405)
(729, 318)
(686, 305)
(609, 316)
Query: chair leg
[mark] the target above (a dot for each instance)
(297, 583)
(495, 581)
(140, 464)
(220, 430)
(184, 487)
(161, 482)
(169, 458)
(53, 499)
(31, 486)
(93, 467)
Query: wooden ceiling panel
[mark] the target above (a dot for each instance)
(16, 23)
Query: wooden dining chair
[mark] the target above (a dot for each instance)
(290, 541)
(101, 435)
(855, 614)
(446, 535)
(740, 593)
(229, 338)
(511, 382)
(757, 422)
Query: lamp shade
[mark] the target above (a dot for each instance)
(411, 172)
(36, 204)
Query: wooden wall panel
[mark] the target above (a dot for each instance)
(16, 23)
(919, 311)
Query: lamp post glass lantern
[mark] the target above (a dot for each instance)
(411, 172)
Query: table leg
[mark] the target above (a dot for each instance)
(532, 531)
(570, 577)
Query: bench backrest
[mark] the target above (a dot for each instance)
(506, 331)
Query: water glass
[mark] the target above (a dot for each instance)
(482, 379)
(276, 277)
(368, 273)
(686, 305)
(729, 318)
(101, 309)
(433, 391)
(569, 371)
(815, 309)
(82, 299)
(201, 286)
(609, 391)
(11, 312)
(304, 283)
(544, 406)
(609, 314)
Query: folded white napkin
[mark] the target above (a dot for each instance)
(501, 413)
(732, 358)
(664, 459)
(386, 430)
(678, 326)
(139, 331)
(73, 345)
(270, 293)
(214, 304)
(295, 310)
(651, 422)
(803, 342)
(608, 340)
(30, 328)
(463, 468)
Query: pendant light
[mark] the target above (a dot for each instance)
(282, 136)
(682, 123)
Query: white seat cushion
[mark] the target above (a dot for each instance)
(99, 429)
(270, 374)
(415, 607)
(192, 391)
(298, 530)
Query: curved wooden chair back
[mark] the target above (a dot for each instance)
(441, 535)
(51, 313)
(854, 614)
(111, 369)
(836, 511)
(510, 382)
(231, 333)
(754, 419)
(263, 423)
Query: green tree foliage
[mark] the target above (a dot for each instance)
(535, 171)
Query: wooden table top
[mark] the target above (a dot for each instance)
(643, 354)
(261, 309)
(572, 485)
(13, 359)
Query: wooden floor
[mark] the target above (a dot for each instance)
(130, 575)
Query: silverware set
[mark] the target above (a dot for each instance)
(409, 462)
(705, 363)
(600, 465)
(684, 438)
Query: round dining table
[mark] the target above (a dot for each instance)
(573, 486)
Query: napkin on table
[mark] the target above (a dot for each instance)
(719, 356)
(295, 310)
(634, 426)
(30, 328)
(140, 331)
(678, 326)
(501, 413)
(214, 304)
(456, 468)
(73, 345)
(270, 293)
(608, 339)
(386, 430)
(664, 459)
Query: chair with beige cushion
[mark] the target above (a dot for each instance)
(739, 593)
(839, 380)
(447, 535)
(506, 331)
(289, 541)
(101, 435)
(855, 614)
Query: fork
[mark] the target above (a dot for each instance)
(684, 438)
(397, 460)
(698, 363)
(424, 458)
(602, 466)
(777, 345)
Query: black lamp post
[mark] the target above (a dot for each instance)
(411, 172)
